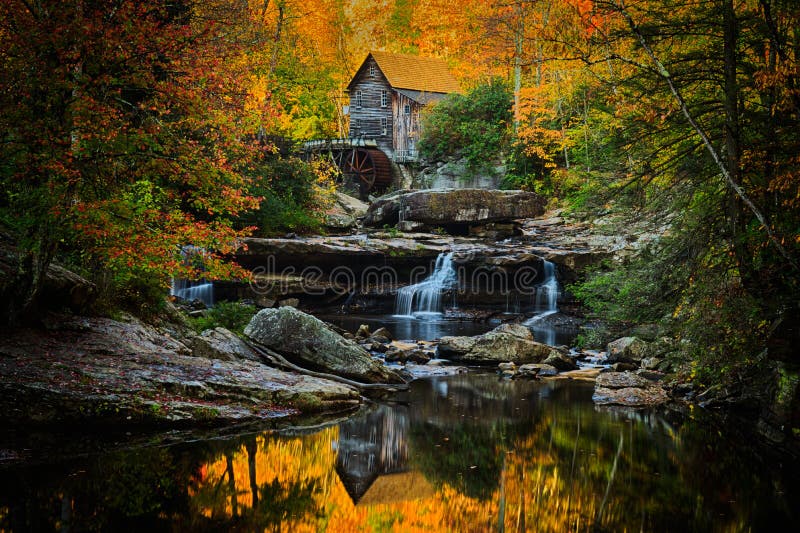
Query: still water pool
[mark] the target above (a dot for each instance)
(463, 453)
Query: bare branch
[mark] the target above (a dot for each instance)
(740, 192)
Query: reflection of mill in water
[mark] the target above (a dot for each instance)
(372, 457)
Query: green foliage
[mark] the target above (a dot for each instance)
(233, 316)
(290, 200)
(726, 326)
(391, 230)
(474, 126)
(632, 293)
(594, 338)
(691, 288)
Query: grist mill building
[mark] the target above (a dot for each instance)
(387, 94)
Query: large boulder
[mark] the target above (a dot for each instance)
(61, 288)
(506, 343)
(343, 214)
(626, 350)
(64, 287)
(307, 341)
(219, 343)
(534, 370)
(442, 207)
(455, 346)
(627, 389)
(101, 371)
(350, 205)
(621, 380)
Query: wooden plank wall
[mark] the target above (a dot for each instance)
(406, 132)
(365, 120)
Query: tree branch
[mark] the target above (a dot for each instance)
(740, 192)
(281, 362)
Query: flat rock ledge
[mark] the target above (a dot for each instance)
(628, 390)
(453, 206)
(102, 371)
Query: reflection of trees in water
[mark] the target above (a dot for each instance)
(120, 491)
(461, 428)
(262, 482)
(544, 460)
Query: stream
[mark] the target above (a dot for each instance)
(463, 453)
(467, 452)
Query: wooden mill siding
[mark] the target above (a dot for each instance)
(406, 131)
(365, 120)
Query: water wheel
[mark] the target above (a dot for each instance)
(368, 168)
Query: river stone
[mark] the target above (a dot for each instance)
(651, 363)
(630, 397)
(338, 221)
(363, 331)
(450, 346)
(561, 362)
(128, 373)
(533, 370)
(382, 332)
(621, 380)
(419, 357)
(652, 375)
(352, 206)
(506, 343)
(379, 347)
(379, 339)
(219, 343)
(66, 288)
(517, 330)
(454, 206)
(626, 350)
(307, 341)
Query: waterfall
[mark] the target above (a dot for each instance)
(192, 290)
(547, 292)
(424, 298)
(546, 304)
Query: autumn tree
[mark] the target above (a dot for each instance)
(706, 99)
(122, 129)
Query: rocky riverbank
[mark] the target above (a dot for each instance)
(127, 372)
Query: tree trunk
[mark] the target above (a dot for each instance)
(519, 36)
(737, 218)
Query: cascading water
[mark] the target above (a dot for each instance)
(424, 298)
(192, 290)
(546, 304)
